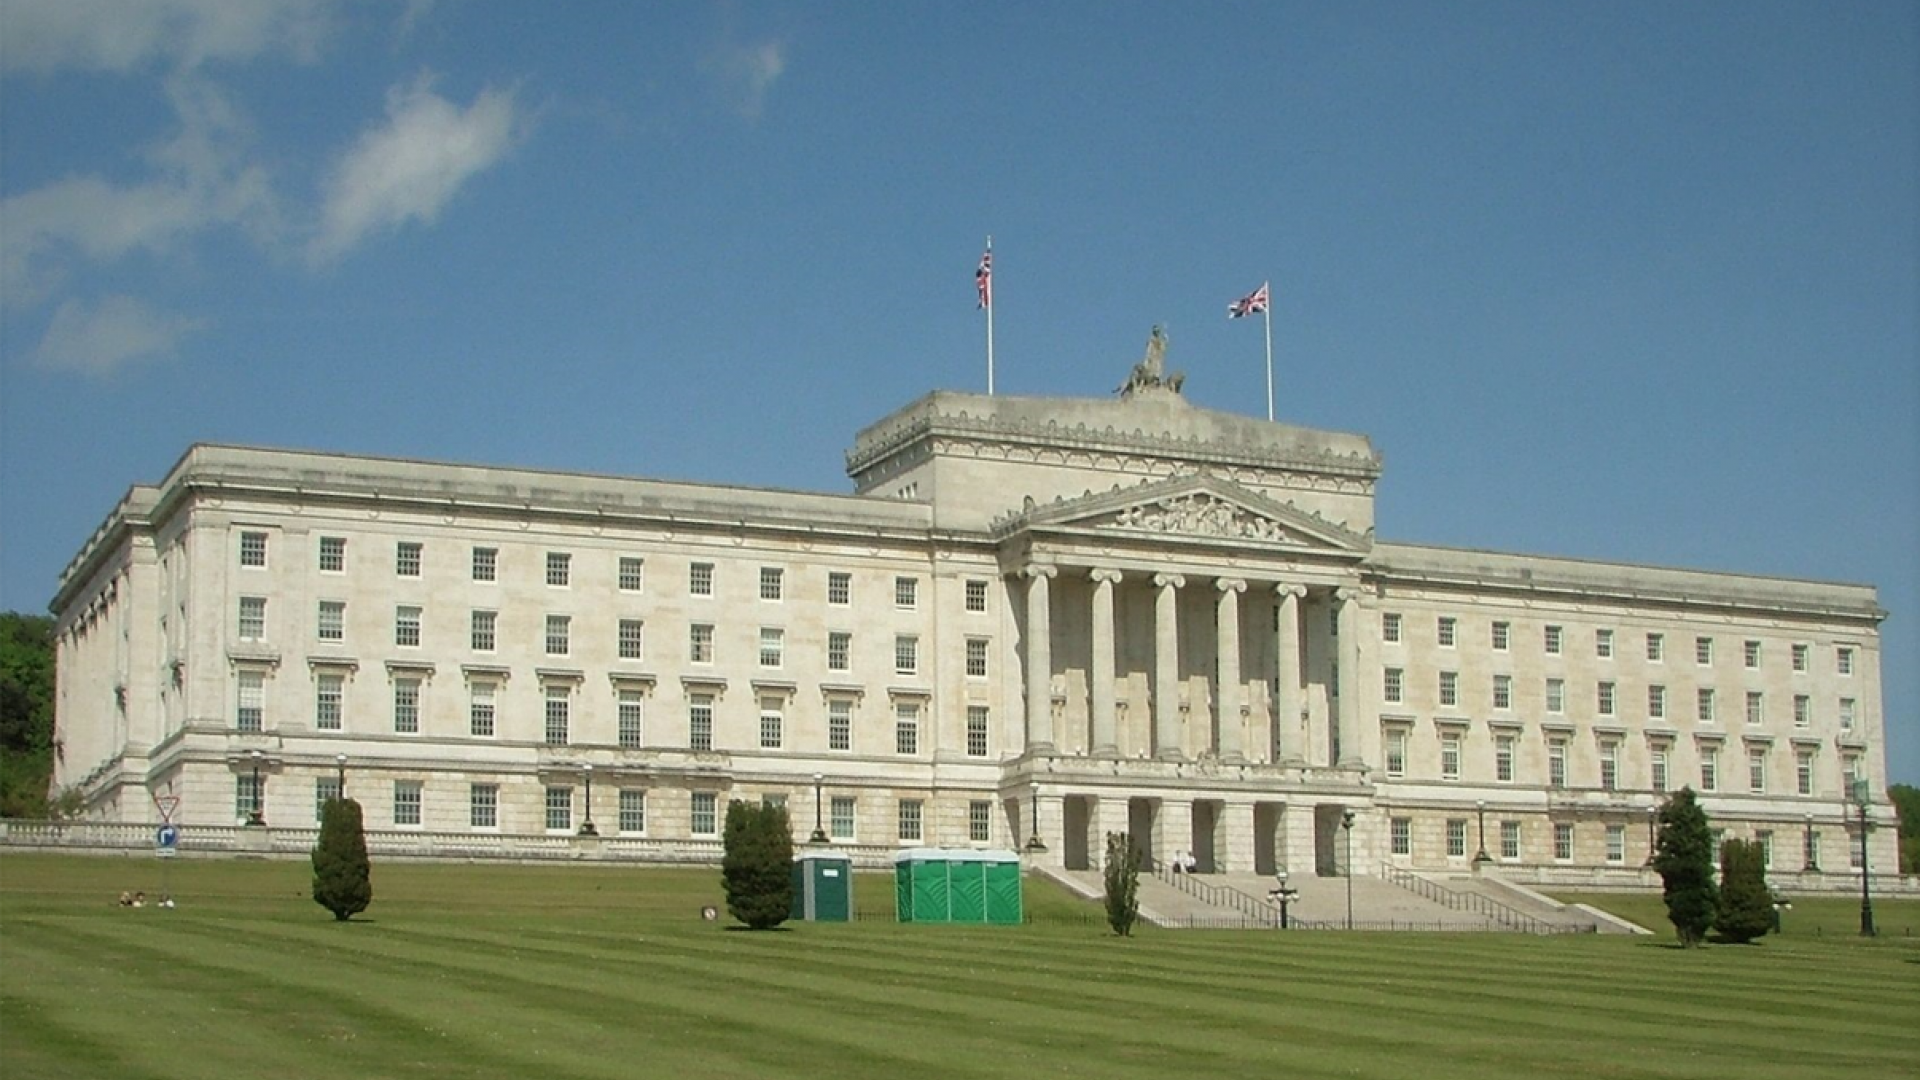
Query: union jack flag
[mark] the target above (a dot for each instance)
(1253, 303)
(983, 278)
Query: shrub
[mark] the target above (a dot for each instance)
(757, 869)
(342, 876)
(1745, 911)
(1684, 859)
(1123, 883)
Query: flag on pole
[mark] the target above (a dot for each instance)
(983, 277)
(1253, 303)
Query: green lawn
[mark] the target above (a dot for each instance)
(550, 972)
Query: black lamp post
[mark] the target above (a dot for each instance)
(1653, 841)
(340, 773)
(1346, 824)
(1035, 845)
(586, 827)
(1866, 872)
(1807, 854)
(1481, 856)
(1283, 896)
(819, 834)
(259, 816)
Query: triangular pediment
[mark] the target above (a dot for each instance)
(1199, 507)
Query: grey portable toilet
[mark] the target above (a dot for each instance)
(822, 886)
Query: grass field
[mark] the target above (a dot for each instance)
(554, 972)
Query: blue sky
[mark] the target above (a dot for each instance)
(1622, 281)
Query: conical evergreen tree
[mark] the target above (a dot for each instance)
(342, 876)
(1746, 903)
(1684, 860)
(757, 869)
(1123, 883)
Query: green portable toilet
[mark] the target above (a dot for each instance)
(957, 886)
(822, 886)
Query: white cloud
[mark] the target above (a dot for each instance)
(748, 72)
(102, 339)
(408, 167)
(121, 35)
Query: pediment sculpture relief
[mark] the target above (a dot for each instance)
(1200, 514)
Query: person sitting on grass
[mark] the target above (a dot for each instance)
(126, 898)
(140, 899)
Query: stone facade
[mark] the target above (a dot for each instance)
(1043, 618)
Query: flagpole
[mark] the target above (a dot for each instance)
(1267, 310)
(989, 305)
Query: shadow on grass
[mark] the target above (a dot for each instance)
(738, 929)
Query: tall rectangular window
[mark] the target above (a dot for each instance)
(980, 821)
(1563, 841)
(486, 564)
(1391, 688)
(772, 723)
(1843, 660)
(839, 724)
(325, 790)
(559, 714)
(1656, 702)
(910, 810)
(906, 654)
(333, 554)
(1799, 652)
(1616, 844)
(976, 658)
(1810, 850)
(1400, 835)
(559, 808)
(1389, 627)
(1449, 688)
(1750, 654)
(1605, 698)
(1603, 644)
(1502, 636)
(406, 704)
(1557, 763)
(1610, 766)
(1396, 752)
(976, 731)
(632, 716)
(248, 795)
(773, 642)
(632, 575)
(1503, 691)
(1503, 750)
(559, 568)
(840, 820)
(976, 596)
(1456, 838)
(839, 588)
(406, 558)
(703, 816)
(406, 626)
(906, 728)
(700, 643)
(839, 650)
(906, 592)
(1703, 651)
(1449, 756)
(406, 802)
(480, 705)
(1556, 695)
(1765, 839)
(1703, 704)
(1510, 840)
(700, 722)
(1802, 711)
(700, 579)
(1755, 707)
(251, 696)
(1803, 772)
(633, 639)
(1846, 714)
(253, 618)
(1709, 768)
(1554, 638)
(333, 620)
(633, 810)
(253, 549)
(773, 581)
(1756, 769)
(1447, 630)
(1657, 765)
(1656, 648)
(328, 690)
(559, 635)
(481, 634)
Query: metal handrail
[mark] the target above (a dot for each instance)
(1469, 902)
(1215, 895)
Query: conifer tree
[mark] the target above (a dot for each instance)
(1684, 859)
(342, 876)
(1746, 903)
(757, 869)
(1123, 883)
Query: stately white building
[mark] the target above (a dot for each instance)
(1034, 615)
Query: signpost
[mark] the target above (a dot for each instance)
(166, 843)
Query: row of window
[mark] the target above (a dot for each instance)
(1506, 750)
(630, 575)
(1554, 642)
(1393, 690)
(1400, 842)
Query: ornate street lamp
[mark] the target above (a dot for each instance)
(1481, 856)
(1859, 796)
(586, 827)
(1035, 845)
(819, 834)
(258, 816)
(1346, 824)
(1283, 896)
(340, 773)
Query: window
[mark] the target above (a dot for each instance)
(1850, 771)
(1656, 648)
(1391, 684)
(1843, 660)
(325, 790)
(1556, 695)
(253, 549)
(1657, 766)
(976, 658)
(248, 795)
(1400, 834)
(328, 689)
(1503, 691)
(1503, 747)
(772, 723)
(1603, 644)
(1854, 855)
(980, 821)
(772, 582)
(406, 558)
(906, 654)
(631, 708)
(1750, 653)
(1703, 651)
(840, 724)
(1846, 714)
(633, 573)
(1616, 844)
(839, 651)
(977, 731)
(773, 644)
(1803, 772)
(976, 596)
(333, 620)
(1802, 711)
(1799, 653)
(253, 618)
(1757, 769)
(1810, 850)
(1557, 763)
(1656, 702)
(906, 728)
(1555, 637)
(700, 722)
(700, 579)
(1604, 698)
(333, 554)
(1390, 627)
(840, 819)
(486, 564)
(1449, 688)
(1756, 707)
(632, 639)
(480, 701)
(1510, 840)
(406, 802)
(559, 808)
(406, 626)
(559, 635)
(910, 810)
(406, 705)
(700, 643)
(839, 588)
(559, 568)
(1396, 752)
(1456, 838)
(1449, 756)
(906, 592)
(1563, 841)
(1703, 704)
(1709, 768)
(250, 700)
(1609, 766)
(1502, 635)
(481, 632)
(1448, 628)
(633, 810)
(559, 709)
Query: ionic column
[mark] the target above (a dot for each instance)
(1166, 666)
(1039, 658)
(1105, 744)
(1351, 752)
(1227, 695)
(1286, 707)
